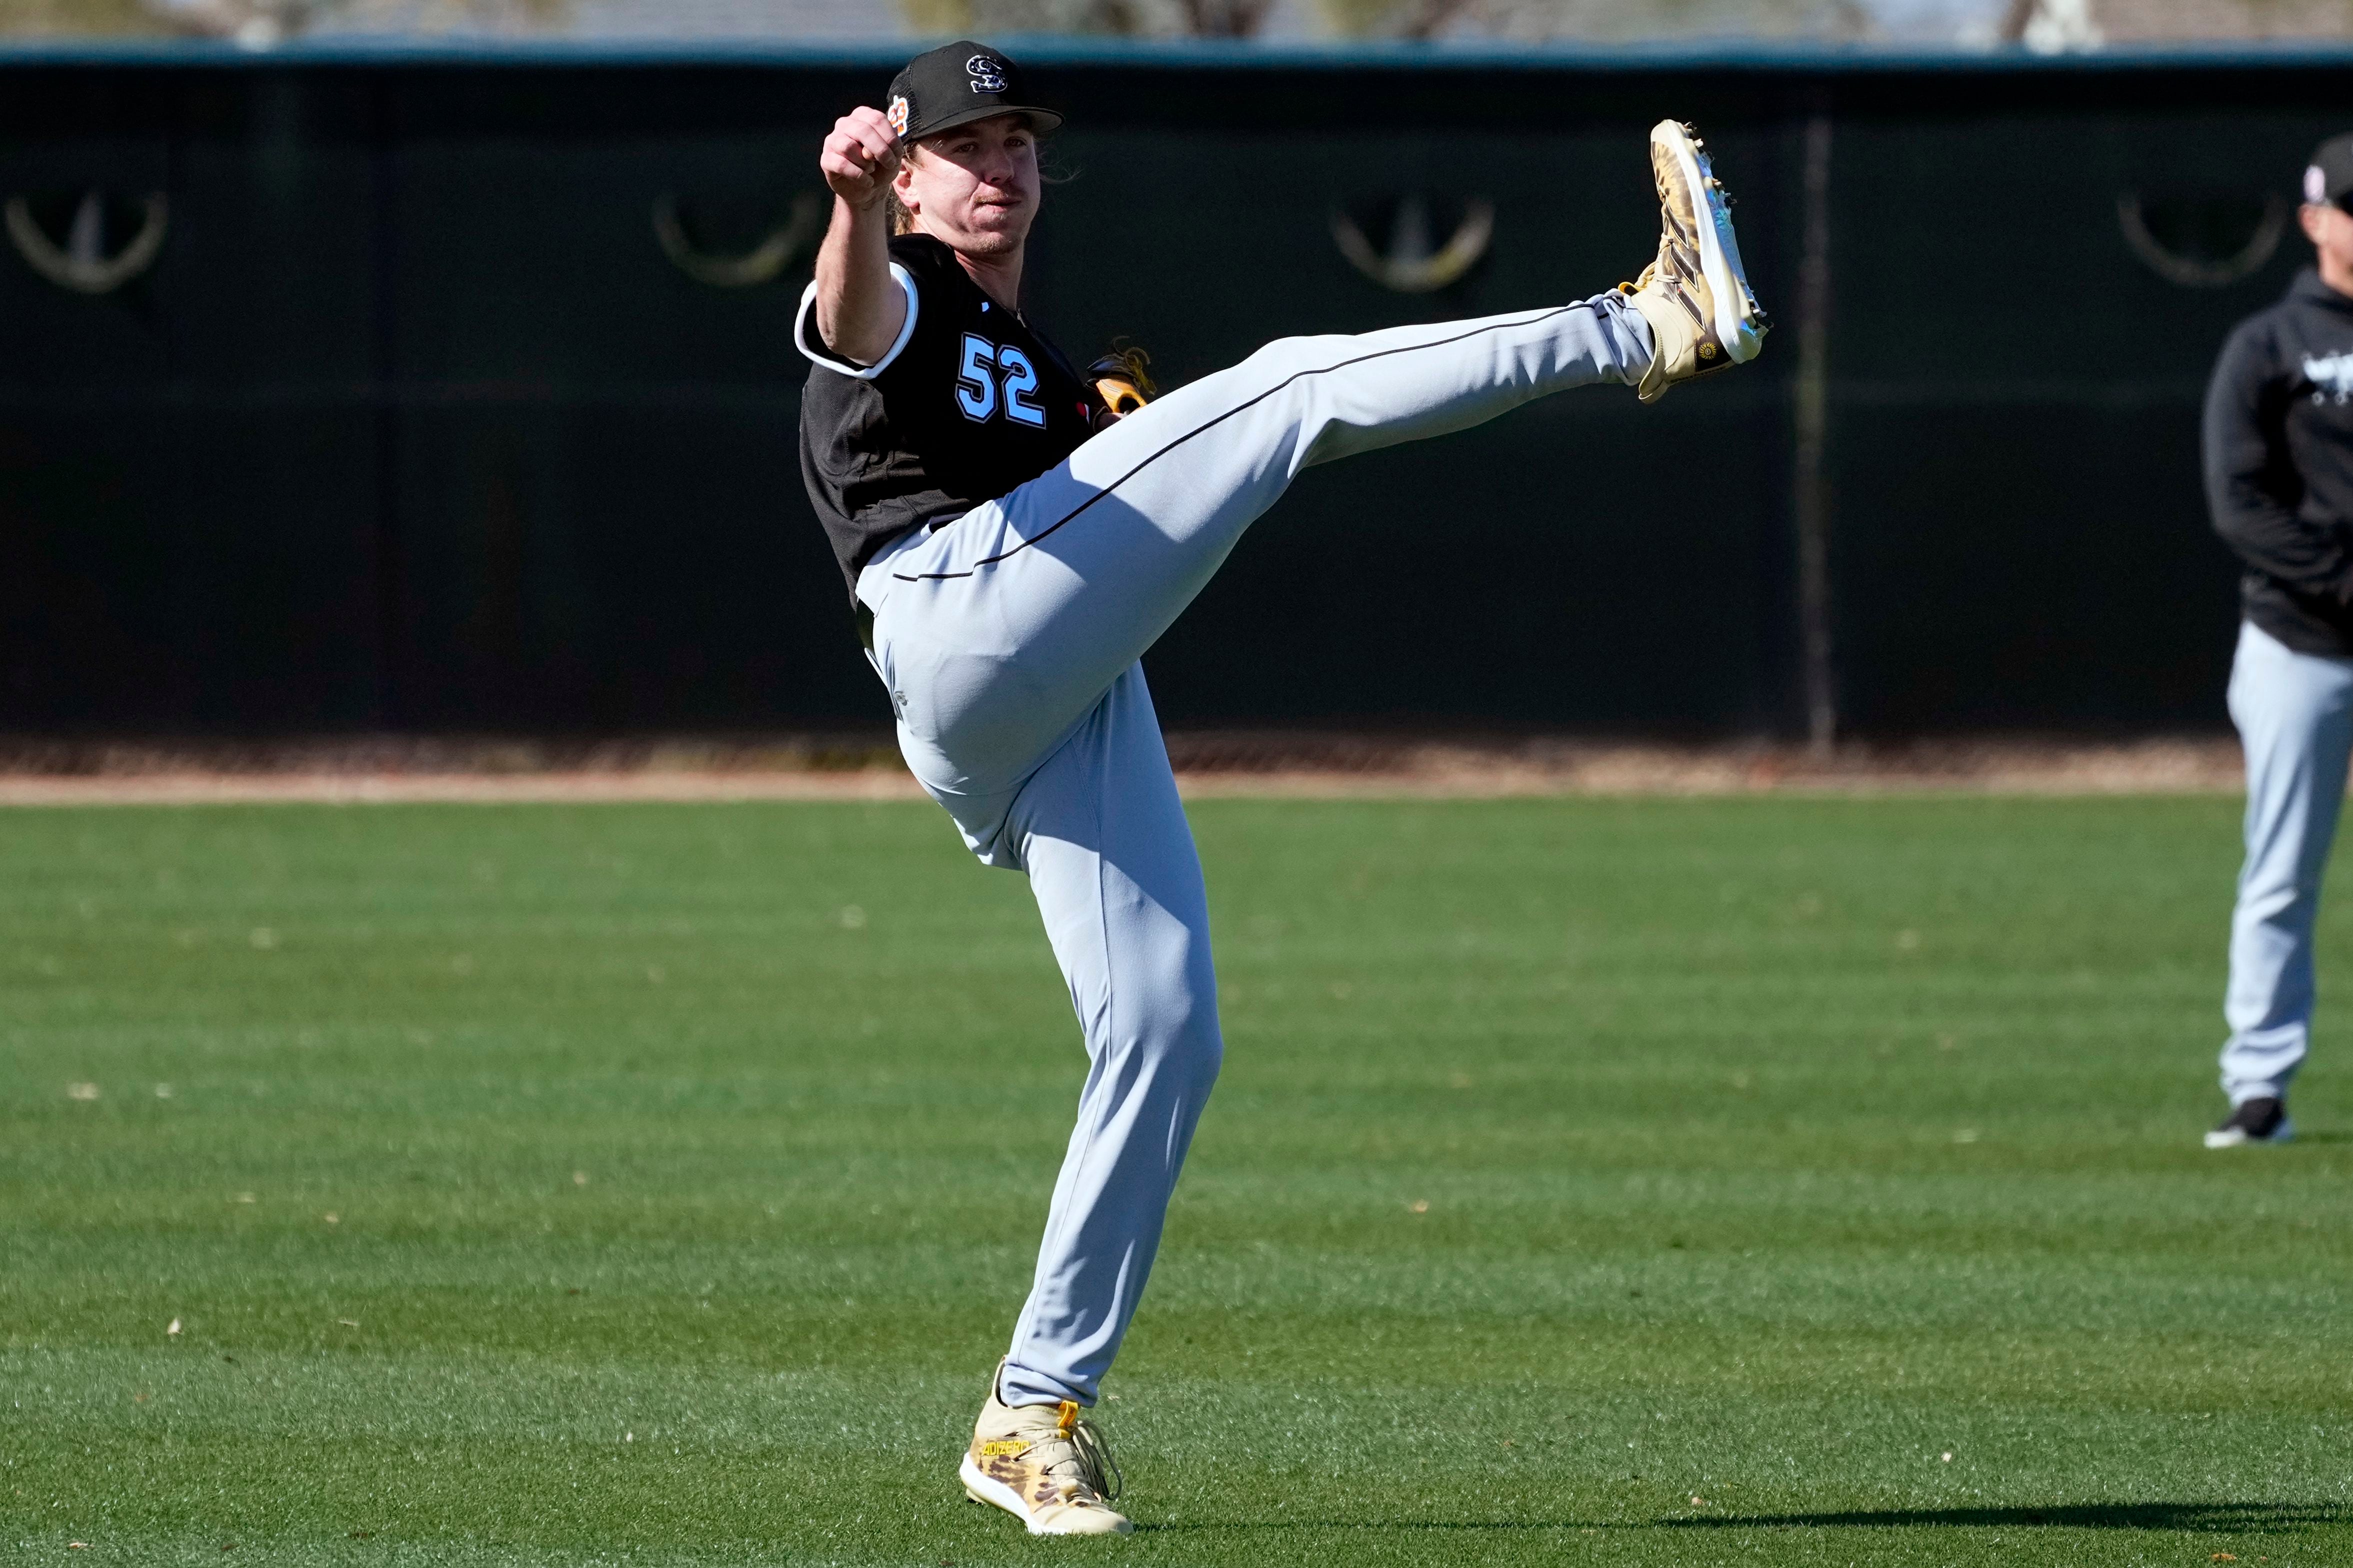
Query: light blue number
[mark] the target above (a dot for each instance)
(1020, 376)
(975, 386)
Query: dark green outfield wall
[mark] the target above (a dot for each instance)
(413, 425)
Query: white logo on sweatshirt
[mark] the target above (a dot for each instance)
(2331, 378)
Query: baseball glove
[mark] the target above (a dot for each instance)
(1124, 381)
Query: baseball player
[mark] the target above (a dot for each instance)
(1013, 545)
(2279, 479)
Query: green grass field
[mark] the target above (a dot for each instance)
(1647, 1182)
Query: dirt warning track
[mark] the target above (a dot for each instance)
(864, 767)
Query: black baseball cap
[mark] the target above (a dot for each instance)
(2328, 178)
(957, 84)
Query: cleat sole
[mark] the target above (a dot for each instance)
(1739, 325)
(981, 1488)
(2236, 1138)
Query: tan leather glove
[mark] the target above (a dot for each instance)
(1124, 381)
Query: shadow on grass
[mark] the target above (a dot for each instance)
(2233, 1517)
(2206, 1518)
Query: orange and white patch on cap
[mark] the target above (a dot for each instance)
(898, 116)
(2315, 184)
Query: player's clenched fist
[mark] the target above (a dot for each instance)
(860, 157)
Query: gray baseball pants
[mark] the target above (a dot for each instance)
(1009, 640)
(2295, 715)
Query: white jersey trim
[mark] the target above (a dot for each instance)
(804, 337)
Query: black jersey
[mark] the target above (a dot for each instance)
(969, 402)
(2279, 465)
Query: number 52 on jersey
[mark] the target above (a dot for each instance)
(982, 393)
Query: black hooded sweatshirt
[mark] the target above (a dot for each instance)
(2279, 465)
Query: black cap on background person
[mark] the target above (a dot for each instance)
(2328, 177)
(2326, 217)
(957, 84)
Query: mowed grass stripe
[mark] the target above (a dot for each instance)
(1574, 1161)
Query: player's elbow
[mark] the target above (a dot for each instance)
(857, 337)
(2241, 511)
(2224, 518)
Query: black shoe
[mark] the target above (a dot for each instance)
(2262, 1121)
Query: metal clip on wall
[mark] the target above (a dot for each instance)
(81, 264)
(764, 263)
(2191, 272)
(1411, 266)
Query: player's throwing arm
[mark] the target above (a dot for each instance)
(859, 310)
(1010, 564)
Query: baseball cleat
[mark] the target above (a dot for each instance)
(1703, 315)
(1046, 1464)
(2259, 1120)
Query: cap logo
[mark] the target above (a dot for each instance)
(898, 116)
(987, 73)
(2315, 185)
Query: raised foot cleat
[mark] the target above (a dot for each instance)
(1046, 1465)
(2259, 1120)
(1703, 315)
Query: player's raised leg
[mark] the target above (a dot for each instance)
(1070, 577)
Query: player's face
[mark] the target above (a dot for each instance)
(2330, 229)
(975, 186)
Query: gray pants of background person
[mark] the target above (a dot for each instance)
(2294, 714)
(1009, 640)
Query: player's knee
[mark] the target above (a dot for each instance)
(1194, 1051)
(1204, 1042)
(1185, 1025)
(1163, 1012)
(1286, 356)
